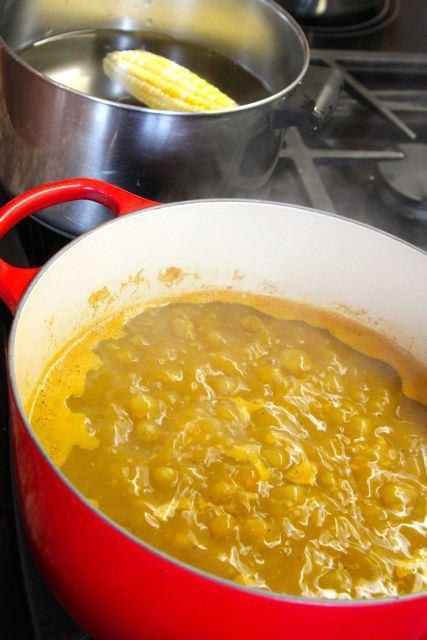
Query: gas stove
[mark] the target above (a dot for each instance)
(369, 163)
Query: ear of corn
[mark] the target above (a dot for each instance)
(160, 83)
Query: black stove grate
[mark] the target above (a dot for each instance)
(305, 159)
(373, 63)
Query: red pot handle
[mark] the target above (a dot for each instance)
(15, 280)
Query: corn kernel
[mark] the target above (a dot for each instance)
(295, 361)
(221, 491)
(146, 431)
(141, 405)
(222, 526)
(225, 385)
(270, 375)
(256, 528)
(165, 477)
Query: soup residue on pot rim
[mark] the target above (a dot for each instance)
(227, 432)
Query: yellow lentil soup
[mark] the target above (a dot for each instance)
(257, 448)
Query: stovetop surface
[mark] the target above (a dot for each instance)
(369, 144)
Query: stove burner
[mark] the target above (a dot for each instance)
(356, 25)
(403, 185)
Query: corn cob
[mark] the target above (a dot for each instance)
(160, 83)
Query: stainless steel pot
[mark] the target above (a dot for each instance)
(48, 131)
(331, 11)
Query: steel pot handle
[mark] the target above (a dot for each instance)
(313, 102)
(15, 280)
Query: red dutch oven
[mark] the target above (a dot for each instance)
(115, 586)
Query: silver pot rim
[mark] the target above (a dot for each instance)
(185, 114)
(221, 582)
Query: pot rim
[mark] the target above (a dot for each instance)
(252, 591)
(185, 114)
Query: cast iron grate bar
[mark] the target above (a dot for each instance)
(304, 160)
(328, 156)
(409, 102)
(359, 91)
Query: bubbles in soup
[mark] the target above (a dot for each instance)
(264, 451)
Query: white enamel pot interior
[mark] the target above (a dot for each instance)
(293, 252)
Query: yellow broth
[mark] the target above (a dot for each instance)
(260, 449)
